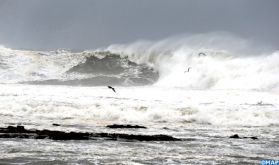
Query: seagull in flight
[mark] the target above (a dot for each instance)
(188, 70)
(112, 89)
(202, 54)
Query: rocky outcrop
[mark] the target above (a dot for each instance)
(236, 136)
(21, 132)
(125, 126)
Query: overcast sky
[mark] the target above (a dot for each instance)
(88, 24)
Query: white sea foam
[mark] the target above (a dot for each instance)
(229, 62)
(151, 106)
(228, 86)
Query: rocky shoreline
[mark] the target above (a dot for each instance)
(21, 132)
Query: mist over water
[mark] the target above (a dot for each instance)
(216, 61)
(227, 62)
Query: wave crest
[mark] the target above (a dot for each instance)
(215, 63)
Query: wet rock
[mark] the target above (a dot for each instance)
(15, 129)
(236, 136)
(250, 137)
(21, 132)
(254, 137)
(125, 126)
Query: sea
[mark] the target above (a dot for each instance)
(200, 91)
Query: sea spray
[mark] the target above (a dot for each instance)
(227, 63)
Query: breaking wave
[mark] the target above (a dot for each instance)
(64, 67)
(215, 63)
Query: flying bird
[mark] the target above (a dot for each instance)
(260, 103)
(112, 88)
(202, 54)
(188, 70)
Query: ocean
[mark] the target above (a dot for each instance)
(226, 91)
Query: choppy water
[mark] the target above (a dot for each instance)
(204, 119)
(227, 91)
(206, 146)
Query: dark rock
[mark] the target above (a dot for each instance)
(235, 136)
(11, 128)
(19, 127)
(54, 124)
(125, 126)
(15, 129)
(117, 136)
(254, 137)
(21, 132)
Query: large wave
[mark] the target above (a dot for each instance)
(62, 67)
(215, 62)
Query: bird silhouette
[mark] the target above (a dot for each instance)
(260, 103)
(112, 88)
(188, 70)
(202, 54)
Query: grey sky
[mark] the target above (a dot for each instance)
(87, 24)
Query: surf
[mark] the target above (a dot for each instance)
(227, 63)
